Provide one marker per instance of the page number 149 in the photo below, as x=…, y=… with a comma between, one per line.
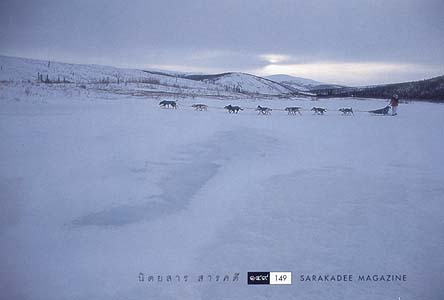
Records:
x=280, y=277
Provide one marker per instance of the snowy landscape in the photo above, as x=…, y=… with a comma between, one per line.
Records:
x=100, y=184
x=138, y=82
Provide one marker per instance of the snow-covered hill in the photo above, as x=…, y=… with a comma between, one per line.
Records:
x=32, y=70
x=244, y=82
x=297, y=83
x=24, y=69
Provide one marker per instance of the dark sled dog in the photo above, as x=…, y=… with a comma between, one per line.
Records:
x=346, y=111
x=263, y=110
x=293, y=110
x=233, y=109
x=318, y=110
x=200, y=107
x=167, y=104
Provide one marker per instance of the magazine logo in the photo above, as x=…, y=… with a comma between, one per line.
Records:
x=258, y=277
x=272, y=278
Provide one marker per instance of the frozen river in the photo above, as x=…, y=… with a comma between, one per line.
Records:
x=93, y=192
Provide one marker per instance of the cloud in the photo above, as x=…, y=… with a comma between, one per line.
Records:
x=312, y=38
x=353, y=73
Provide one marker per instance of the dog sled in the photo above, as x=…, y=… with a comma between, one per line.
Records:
x=380, y=112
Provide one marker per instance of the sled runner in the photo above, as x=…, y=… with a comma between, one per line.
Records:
x=382, y=111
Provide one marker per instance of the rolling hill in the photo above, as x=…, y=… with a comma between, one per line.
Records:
x=14, y=69
x=243, y=82
x=295, y=83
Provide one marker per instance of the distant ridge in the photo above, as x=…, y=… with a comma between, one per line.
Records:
x=428, y=89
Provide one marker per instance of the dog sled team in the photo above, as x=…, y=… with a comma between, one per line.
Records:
x=293, y=110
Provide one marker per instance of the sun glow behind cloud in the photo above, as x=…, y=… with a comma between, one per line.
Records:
x=274, y=58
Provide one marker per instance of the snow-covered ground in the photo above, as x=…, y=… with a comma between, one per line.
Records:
x=96, y=188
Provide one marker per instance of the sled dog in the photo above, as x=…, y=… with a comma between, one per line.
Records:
x=166, y=103
x=232, y=109
x=263, y=110
x=346, y=111
x=318, y=110
x=293, y=110
x=200, y=107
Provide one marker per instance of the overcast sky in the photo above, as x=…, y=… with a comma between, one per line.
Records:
x=353, y=42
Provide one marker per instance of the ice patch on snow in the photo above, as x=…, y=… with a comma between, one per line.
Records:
x=178, y=189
